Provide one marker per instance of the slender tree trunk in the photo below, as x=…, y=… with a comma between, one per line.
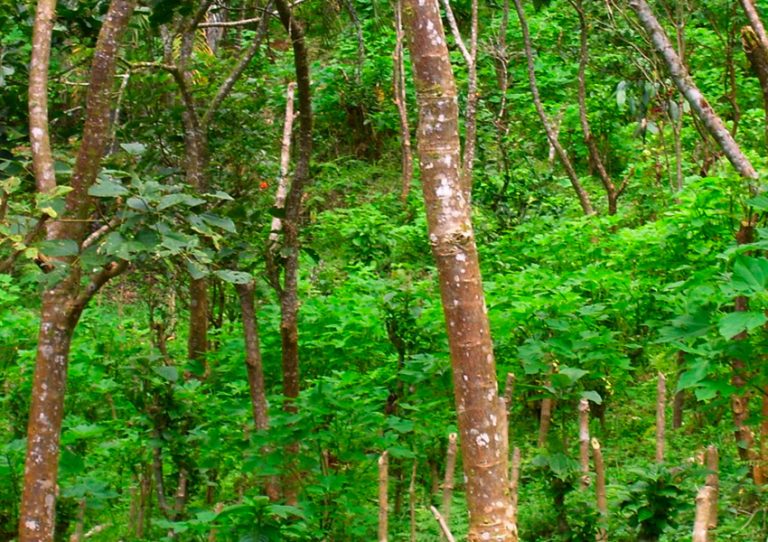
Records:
x=712, y=461
x=703, y=509
x=545, y=419
x=581, y=193
x=484, y=453
x=289, y=300
x=253, y=362
x=661, y=403
x=398, y=91
x=63, y=303
x=283, y=182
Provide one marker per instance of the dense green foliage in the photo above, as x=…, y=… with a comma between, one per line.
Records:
x=580, y=306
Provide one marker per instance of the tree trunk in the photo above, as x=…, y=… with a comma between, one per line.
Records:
x=754, y=21
x=63, y=303
x=584, y=441
x=448, y=484
x=484, y=452
x=289, y=301
x=253, y=362
x=545, y=419
x=600, y=496
x=398, y=90
x=758, y=59
x=383, y=499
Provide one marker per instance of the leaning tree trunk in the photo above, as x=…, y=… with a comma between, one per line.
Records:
x=63, y=303
x=479, y=408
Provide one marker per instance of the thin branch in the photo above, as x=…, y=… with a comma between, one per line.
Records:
x=443, y=526
x=98, y=280
x=221, y=24
x=99, y=233
x=237, y=72
x=456, y=34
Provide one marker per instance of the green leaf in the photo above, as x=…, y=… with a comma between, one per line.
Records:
x=107, y=189
x=137, y=204
x=60, y=248
x=168, y=372
x=592, y=396
x=136, y=149
x=693, y=376
x=221, y=222
x=174, y=199
x=195, y=270
x=734, y=323
x=233, y=277
x=750, y=275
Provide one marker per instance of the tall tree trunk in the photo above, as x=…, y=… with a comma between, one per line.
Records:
x=758, y=59
x=253, y=362
x=289, y=300
x=484, y=451
x=63, y=303
x=754, y=21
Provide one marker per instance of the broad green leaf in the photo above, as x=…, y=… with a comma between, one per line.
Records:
x=592, y=396
x=107, y=189
x=221, y=222
x=59, y=248
x=136, y=149
x=693, y=375
x=170, y=200
x=168, y=372
x=233, y=277
x=734, y=323
x=750, y=275
x=195, y=270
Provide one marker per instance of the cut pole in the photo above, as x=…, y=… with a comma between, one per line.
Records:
x=383, y=499
x=514, y=483
x=602, y=501
x=584, y=441
x=703, y=509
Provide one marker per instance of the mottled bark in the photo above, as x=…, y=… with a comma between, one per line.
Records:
x=399, y=97
x=39, y=136
x=63, y=303
x=581, y=193
x=484, y=451
x=284, y=180
x=688, y=88
x=584, y=441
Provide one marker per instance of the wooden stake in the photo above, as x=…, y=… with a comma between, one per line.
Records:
x=703, y=508
x=661, y=399
x=514, y=482
x=383, y=502
x=412, y=501
x=713, y=481
x=509, y=390
x=602, y=501
x=584, y=441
